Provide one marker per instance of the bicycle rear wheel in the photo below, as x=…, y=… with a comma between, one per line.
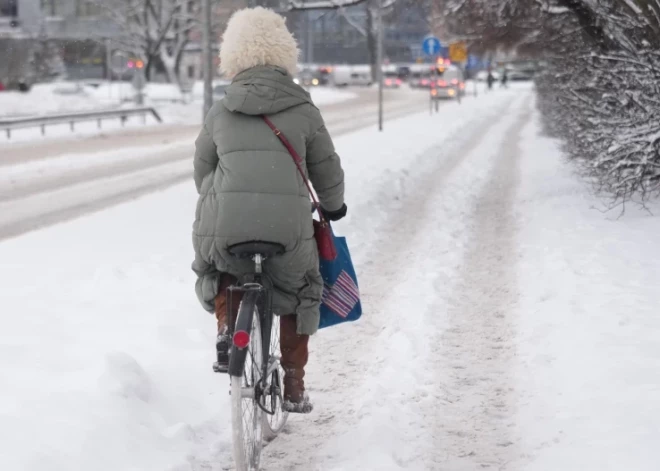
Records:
x=273, y=424
x=247, y=422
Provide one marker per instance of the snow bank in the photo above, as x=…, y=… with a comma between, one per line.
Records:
x=589, y=345
x=63, y=97
x=329, y=96
x=66, y=97
x=60, y=97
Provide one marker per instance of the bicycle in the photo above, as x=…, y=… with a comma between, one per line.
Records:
x=256, y=374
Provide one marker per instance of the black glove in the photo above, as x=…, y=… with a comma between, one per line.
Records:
x=335, y=215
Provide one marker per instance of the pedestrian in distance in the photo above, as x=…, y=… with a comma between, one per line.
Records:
x=505, y=79
x=490, y=79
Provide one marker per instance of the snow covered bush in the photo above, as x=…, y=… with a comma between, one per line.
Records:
x=607, y=110
x=600, y=91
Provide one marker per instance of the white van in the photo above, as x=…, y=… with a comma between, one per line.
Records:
x=355, y=75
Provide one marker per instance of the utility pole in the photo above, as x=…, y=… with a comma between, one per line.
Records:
x=379, y=63
x=310, y=38
x=108, y=65
x=207, y=56
x=108, y=61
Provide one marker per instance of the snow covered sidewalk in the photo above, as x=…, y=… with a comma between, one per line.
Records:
x=507, y=325
x=105, y=351
x=588, y=375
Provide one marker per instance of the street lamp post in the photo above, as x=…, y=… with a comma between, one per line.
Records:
x=379, y=64
x=207, y=57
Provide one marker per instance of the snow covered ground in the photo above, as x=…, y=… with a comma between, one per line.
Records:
x=63, y=97
x=46, y=181
x=67, y=97
x=588, y=381
x=507, y=324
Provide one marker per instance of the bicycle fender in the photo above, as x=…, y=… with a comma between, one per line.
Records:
x=243, y=322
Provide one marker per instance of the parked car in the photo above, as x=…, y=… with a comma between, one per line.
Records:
x=307, y=78
x=404, y=72
x=450, y=85
x=520, y=73
x=421, y=81
x=392, y=80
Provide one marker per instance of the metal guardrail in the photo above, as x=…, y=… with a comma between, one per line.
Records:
x=8, y=125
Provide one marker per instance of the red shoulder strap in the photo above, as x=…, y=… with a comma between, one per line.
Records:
x=297, y=160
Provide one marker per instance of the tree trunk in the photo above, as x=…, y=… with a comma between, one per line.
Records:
x=148, y=67
x=177, y=63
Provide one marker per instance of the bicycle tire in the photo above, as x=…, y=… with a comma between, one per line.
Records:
x=246, y=416
x=274, y=424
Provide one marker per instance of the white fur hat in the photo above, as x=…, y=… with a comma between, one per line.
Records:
x=257, y=36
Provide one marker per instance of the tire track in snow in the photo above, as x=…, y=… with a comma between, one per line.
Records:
x=476, y=417
x=348, y=406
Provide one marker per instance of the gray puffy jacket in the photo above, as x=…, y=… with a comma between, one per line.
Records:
x=249, y=189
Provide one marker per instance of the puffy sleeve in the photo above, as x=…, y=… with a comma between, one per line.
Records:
x=324, y=167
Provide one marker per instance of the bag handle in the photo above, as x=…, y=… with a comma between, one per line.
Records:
x=298, y=161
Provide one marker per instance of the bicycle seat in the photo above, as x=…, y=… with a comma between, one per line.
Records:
x=250, y=249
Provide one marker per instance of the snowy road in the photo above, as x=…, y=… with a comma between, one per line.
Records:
x=507, y=325
x=45, y=183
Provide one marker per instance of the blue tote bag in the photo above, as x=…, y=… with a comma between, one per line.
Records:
x=341, y=295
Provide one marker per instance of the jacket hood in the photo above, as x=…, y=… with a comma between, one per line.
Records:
x=264, y=90
x=257, y=36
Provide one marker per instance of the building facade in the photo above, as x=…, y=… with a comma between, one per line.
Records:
x=340, y=37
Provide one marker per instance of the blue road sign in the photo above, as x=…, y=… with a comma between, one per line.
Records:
x=474, y=62
x=444, y=52
x=431, y=46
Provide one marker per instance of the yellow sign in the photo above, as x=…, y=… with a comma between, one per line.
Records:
x=458, y=52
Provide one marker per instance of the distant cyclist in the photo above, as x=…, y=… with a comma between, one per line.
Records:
x=249, y=188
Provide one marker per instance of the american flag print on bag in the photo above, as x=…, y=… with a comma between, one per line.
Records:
x=341, y=297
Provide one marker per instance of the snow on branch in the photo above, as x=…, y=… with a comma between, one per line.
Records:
x=351, y=21
x=552, y=8
x=301, y=5
x=295, y=5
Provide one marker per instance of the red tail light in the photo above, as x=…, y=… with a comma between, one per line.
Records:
x=454, y=82
x=442, y=83
x=425, y=82
x=241, y=339
x=399, y=81
x=388, y=82
x=462, y=85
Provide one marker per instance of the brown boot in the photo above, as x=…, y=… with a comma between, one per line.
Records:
x=222, y=301
x=223, y=341
x=294, y=358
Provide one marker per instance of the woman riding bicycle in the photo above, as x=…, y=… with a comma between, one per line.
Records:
x=250, y=190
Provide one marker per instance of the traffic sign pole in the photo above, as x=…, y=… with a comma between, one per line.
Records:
x=431, y=46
